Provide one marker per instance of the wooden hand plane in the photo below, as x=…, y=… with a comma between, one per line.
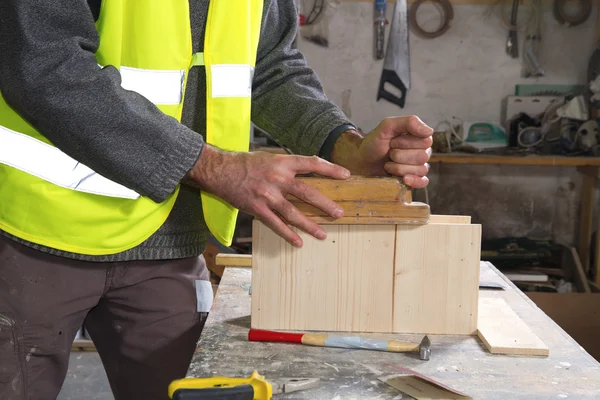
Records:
x=365, y=200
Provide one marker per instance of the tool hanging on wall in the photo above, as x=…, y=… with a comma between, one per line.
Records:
x=396, y=65
x=447, y=12
x=314, y=21
x=380, y=21
x=563, y=11
x=512, y=43
x=531, y=47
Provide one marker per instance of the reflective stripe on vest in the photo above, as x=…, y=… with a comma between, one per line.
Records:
x=68, y=206
x=160, y=87
x=52, y=165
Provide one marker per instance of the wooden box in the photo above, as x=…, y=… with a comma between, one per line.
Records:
x=417, y=273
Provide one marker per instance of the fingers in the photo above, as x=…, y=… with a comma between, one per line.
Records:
x=411, y=142
x=278, y=226
x=317, y=165
x=405, y=170
x=417, y=182
x=410, y=157
x=390, y=128
x=293, y=216
x=411, y=165
x=312, y=196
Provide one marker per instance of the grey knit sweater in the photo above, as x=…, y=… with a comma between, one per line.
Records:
x=48, y=73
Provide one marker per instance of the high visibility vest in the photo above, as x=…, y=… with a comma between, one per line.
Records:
x=49, y=198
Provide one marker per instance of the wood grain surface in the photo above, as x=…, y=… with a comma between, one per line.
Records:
x=343, y=283
x=503, y=332
x=436, y=284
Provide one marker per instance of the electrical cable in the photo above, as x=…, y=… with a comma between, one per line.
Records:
x=446, y=10
x=506, y=20
x=549, y=118
x=315, y=12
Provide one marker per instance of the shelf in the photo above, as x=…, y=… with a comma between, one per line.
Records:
x=466, y=158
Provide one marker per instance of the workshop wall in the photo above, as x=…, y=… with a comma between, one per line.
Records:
x=464, y=73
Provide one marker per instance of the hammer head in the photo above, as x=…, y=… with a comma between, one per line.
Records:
x=425, y=349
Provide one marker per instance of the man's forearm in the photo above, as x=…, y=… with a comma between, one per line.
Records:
x=50, y=76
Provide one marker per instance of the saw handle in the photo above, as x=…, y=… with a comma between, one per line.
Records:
x=391, y=77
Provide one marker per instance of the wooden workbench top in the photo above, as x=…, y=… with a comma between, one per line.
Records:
x=459, y=361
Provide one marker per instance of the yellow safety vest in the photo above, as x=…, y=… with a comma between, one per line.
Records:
x=49, y=198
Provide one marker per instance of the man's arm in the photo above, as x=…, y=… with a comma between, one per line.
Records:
x=288, y=99
x=50, y=76
x=289, y=103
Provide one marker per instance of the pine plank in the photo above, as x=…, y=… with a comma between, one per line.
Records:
x=234, y=260
x=449, y=219
x=436, y=282
x=344, y=283
x=503, y=332
x=370, y=212
x=360, y=188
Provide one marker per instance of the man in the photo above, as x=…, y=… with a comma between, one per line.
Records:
x=118, y=244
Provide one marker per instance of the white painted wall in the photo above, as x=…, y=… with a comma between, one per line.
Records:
x=464, y=73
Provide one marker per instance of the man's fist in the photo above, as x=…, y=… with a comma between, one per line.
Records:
x=399, y=146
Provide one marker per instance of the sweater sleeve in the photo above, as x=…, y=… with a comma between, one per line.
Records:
x=50, y=76
x=288, y=99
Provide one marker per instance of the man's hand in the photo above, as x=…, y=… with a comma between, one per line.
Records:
x=399, y=146
x=258, y=182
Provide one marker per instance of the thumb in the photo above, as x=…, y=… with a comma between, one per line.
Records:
x=390, y=128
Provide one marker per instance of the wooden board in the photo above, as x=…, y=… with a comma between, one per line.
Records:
x=371, y=212
x=341, y=284
x=436, y=278
x=360, y=188
x=234, y=260
x=80, y=345
x=365, y=200
x=503, y=332
x=449, y=219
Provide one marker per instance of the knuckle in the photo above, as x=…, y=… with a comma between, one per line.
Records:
x=302, y=191
x=288, y=211
x=264, y=192
x=387, y=122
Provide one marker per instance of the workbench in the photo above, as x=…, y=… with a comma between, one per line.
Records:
x=458, y=361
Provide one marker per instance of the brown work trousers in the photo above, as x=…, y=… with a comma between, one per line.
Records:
x=142, y=316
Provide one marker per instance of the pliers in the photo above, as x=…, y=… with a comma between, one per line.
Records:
x=255, y=387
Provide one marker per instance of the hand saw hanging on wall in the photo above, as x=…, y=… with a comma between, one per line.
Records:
x=396, y=65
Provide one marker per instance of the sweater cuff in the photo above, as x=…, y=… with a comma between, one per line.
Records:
x=327, y=147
